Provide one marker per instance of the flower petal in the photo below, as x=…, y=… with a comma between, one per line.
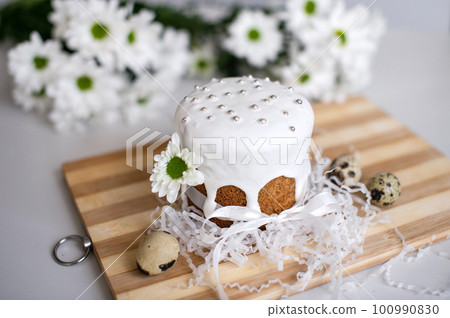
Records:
x=173, y=193
x=172, y=150
x=176, y=139
x=193, y=177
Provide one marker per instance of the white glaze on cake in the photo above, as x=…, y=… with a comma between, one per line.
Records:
x=240, y=109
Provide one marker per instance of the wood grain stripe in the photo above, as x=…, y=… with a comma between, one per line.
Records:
x=351, y=134
x=350, y=119
x=93, y=161
x=104, y=168
x=413, y=211
x=360, y=145
x=430, y=169
x=119, y=210
x=121, y=194
x=115, y=246
x=333, y=112
x=396, y=149
x=109, y=182
x=118, y=227
x=418, y=190
x=395, y=164
x=95, y=172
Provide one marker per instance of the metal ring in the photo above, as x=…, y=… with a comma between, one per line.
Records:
x=87, y=244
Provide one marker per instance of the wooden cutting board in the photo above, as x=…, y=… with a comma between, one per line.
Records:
x=114, y=202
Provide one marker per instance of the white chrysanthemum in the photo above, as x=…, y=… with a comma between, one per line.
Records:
x=32, y=101
x=141, y=43
x=173, y=168
x=95, y=30
x=255, y=37
x=174, y=54
x=316, y=81
x=143, y=99
x=300, y=13
x=66, y=119
x=203, y=61
x=352, y=77
x=85, y=90
x=62, y=14
x=34, y=64
x=355, y=32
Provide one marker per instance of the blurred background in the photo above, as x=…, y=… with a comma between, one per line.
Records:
x=415, y=15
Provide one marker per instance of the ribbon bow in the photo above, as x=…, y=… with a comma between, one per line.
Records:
x=319, y=205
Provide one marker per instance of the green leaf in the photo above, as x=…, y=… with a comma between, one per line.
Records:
x=19, y=18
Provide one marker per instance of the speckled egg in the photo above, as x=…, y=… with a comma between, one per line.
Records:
x=157, y=253
x=347, y=169
x=384, y=188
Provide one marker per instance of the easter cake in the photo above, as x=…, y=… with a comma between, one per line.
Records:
x=253, y=135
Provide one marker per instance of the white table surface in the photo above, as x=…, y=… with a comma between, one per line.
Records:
x=411, y=82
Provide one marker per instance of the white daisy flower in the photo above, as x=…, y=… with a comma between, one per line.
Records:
x=62, y=14
x=300, y=13
x=174, y=54
x=173, y=168
x=352, y=77
x=143, y=99
x=95, y=30
x=34, y=64
x=141, y=42
x=65, y=120
x=354, y=31
x=85, y=90
x=255, y=37
x=315, y=81
x=203, y=61
x=355, y=34
x=32, y=101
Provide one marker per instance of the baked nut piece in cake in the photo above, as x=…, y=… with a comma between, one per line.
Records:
x=275, y=197
x=254, y=137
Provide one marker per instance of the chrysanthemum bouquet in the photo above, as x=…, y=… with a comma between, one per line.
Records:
x=108, y=60
x=103, y=63
x=318, y=46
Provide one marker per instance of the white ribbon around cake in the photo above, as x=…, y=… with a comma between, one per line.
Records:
x=319, y=205
x=250, y=220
